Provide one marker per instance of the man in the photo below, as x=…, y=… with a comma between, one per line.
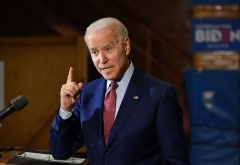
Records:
x=147, y=126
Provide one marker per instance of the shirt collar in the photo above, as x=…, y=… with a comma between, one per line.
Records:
x=125, y=79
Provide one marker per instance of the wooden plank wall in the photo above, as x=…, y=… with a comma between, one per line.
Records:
x=37, y=67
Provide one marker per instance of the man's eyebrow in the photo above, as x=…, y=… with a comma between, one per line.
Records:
x=111, y=43
x=91, y=48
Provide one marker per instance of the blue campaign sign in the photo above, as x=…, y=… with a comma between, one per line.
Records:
x=215, y=2
x=215, y=34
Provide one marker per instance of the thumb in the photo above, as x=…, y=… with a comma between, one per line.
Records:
x=80, y=85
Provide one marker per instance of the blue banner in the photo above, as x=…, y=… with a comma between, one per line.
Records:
x=215, y=34
x=215, y=2
x=213, y=98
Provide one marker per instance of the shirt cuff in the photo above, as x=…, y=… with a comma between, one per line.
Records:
x=65, y=114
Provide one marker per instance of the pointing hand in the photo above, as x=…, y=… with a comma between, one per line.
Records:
x=70, y=92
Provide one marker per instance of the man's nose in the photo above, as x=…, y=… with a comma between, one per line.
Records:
x=102, y=57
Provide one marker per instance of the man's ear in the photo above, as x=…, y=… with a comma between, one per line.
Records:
x=127, y=45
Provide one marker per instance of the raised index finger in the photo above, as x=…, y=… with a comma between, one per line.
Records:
x=70, y=75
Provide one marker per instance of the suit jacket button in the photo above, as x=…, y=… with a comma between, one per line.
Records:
x=105, y=160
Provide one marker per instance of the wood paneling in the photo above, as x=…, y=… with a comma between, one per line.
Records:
x=37, y=67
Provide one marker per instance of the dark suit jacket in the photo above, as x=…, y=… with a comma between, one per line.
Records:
x=147, y=130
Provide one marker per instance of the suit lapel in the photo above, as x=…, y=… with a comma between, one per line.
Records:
x=131, y=97
x=98, y=100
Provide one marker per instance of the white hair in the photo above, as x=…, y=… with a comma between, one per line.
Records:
x=106, y=22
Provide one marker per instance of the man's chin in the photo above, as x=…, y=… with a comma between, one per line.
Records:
x=108, y=77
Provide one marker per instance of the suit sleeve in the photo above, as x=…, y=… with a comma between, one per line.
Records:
x=170, y=129
x=65, y=136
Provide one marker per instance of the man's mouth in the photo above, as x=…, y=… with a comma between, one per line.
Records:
x=106, y=69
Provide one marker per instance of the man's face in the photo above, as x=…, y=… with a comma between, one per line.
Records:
x=109, y=55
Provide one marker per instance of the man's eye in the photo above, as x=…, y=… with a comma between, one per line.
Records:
x=108, y=49
x=94, y=52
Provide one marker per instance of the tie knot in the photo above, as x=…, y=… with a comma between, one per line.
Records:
x=114, y=85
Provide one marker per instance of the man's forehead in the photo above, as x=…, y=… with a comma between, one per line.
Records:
x=101, y=41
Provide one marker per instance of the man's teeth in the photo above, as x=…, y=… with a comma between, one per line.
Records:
x=107, y=68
